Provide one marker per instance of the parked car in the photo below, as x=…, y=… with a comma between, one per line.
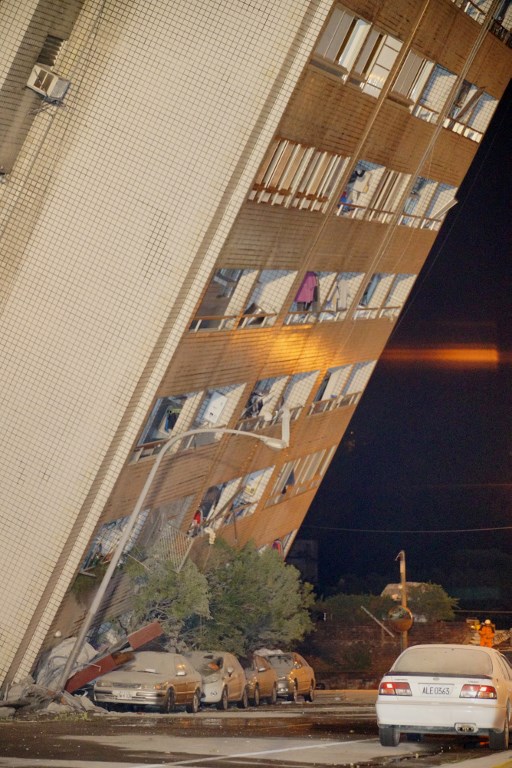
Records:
x=294, y=675
x=223, y=679
x=151, y=679
x=460, y=690
x=261, y=680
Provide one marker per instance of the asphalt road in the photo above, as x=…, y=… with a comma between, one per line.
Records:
x=336, y=730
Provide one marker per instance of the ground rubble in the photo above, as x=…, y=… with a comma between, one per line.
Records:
x=27, y=698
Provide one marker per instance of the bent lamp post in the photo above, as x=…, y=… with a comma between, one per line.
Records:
x=275, y=443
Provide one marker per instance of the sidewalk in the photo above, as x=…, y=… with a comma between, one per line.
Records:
x=363, y=697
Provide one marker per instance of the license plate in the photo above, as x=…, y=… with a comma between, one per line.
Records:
x=436, y=690
x=122, y=694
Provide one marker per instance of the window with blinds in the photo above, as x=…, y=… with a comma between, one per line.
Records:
x=361, y=53
x=297, y=176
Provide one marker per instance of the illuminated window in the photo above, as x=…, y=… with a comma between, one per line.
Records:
x=471, y=112
x=342, y=386
x=427, y=204
x=294, y=175
x=362, y=54
x=372, y=192
x=242, y=298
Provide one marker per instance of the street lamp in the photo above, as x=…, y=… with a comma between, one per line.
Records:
x=276, y=444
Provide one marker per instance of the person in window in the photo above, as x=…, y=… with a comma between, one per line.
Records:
x=487, y=632
x=171, y=417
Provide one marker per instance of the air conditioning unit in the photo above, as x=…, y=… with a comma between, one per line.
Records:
x=214, y=407
x=48, y=84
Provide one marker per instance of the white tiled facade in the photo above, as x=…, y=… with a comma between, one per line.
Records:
x=110, y=222
x=161, y=230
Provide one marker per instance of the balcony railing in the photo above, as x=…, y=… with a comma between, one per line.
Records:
x=230, y=322
x=256, y=423
x=353, y=211
x=342, y=401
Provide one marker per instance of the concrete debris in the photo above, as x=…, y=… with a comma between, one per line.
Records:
x=51, y=666
x=27, y=698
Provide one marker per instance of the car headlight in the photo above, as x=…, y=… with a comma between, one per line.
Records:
x=103, y=684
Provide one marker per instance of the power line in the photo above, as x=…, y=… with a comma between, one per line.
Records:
x=404, y=530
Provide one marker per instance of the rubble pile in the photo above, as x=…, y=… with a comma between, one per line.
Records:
x=27, y=698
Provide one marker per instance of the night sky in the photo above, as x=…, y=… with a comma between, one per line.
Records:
x=430, y=445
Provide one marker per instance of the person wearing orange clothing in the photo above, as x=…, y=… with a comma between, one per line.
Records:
x=487, y=633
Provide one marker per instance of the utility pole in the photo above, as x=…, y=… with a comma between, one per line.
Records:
x=403, y=591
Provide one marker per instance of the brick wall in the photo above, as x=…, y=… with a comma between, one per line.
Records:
x=358, y=656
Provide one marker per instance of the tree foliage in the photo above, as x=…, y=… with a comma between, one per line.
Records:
x=431, y=602
x=244, y=599
x=255, y=600
x=428, y=602
x=179, y=601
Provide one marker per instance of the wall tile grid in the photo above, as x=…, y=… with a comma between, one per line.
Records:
x=14, y=18
x=122, y=196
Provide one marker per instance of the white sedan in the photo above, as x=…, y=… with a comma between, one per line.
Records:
x=446, y=689
x=222, y=676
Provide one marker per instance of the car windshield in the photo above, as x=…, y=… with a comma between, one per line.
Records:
x=444, y=661
x=206, y=663
x=147, y=662
x=282, y=662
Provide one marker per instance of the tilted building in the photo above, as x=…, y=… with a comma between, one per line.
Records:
x=212, y=214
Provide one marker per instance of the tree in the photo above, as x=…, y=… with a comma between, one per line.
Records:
x=245, y=599
x=179, y=601
x=431, y=602
x=428, y=602
x=256, y=600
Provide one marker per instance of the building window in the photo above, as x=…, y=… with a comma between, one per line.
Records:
x=323, y=297
x=282, y=545
x=262, y=406
x=412, y=78
x=342, y=386
x=246, y=500
x=297, y=176
x=375, y=290
x=427, y=204
x=471, y=112
x=242, y=298
x=272, y=396
x=225, y=503
x=341, y=296
x=477, y=9
x=170, y=415
x=361, y=53
x=329, y=394
x=397, y=296
x=372, y=192
x=215, y=411
x=106, y=540
x=300, y=475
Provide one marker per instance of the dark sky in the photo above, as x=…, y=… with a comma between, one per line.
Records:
x=430, y=445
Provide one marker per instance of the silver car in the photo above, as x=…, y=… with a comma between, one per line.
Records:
x=151, y=679
x=223, y=678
